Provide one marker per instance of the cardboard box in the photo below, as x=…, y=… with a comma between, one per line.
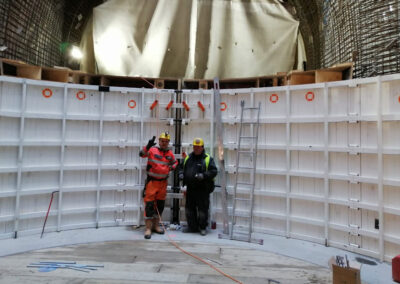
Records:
x=396, y=268
x=344, y=275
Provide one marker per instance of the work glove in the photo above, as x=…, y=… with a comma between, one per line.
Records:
x=151, y=143
x=181, y=176
x=199, y=176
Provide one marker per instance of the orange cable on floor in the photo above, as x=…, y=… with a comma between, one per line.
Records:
x=195, y=256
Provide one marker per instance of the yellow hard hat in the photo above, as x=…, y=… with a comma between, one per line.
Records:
x=198, y=142
x=165, y=135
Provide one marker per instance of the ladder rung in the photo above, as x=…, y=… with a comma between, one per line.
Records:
x=250, y=108
x=248, y=168
x=249, y=122
x=241, y=229
x=246, y=239
x=248, y=152
x=248, y=137
x=242, y=214
x=242, y=199
x=244, y=183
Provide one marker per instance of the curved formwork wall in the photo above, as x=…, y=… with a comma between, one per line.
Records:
x=327, y=164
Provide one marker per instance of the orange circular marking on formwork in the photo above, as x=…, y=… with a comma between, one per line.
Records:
x=310, y=96
x=224, y=106
x=132, y=104
x=47, y=93
x=273, y=98
x=81, y=95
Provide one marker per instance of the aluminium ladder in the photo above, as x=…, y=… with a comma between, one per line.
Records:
x=243, y=232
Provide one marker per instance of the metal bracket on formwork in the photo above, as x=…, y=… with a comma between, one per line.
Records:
x=178, y=156
x=185, y=121
x=354, y=245
x=231, y=169
x=354, y=149
x=354, y=230
x=354, y=117
x=119, y=207
x=174, y=195
x=231, y=145
x=122, y=143
x=121, y=166
x=353, y=177
x=120, y=186
x=354, y=204
x=232, y=121
x=353, y=84
x=123, y=118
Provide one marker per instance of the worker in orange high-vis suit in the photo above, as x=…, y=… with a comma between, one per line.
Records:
x=160, y=162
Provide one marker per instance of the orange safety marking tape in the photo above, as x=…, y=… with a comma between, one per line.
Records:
x=153, y=105
x=132, y=104
x=47, y=93
x=185, y=106
x=169, y=105
x=201, y=106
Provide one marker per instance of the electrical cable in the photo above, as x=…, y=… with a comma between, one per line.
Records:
x=193, y=255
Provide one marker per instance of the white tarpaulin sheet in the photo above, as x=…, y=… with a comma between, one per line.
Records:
x=192, y=38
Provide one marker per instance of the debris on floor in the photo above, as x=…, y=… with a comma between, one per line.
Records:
x=47, y=266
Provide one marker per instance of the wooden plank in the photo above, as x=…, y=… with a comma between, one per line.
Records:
x=301, y=77
x=327, y=76
x=159, y=84
x=203, y=84
x=17, y=68
x=346, y=69
x=29, y=71
x=282, y=78
x=55, y=74
x=77, y=77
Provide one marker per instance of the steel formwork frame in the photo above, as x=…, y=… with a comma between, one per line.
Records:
x=365, y=32
x=321, y=176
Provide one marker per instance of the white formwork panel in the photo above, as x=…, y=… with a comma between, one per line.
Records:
x=327, y=167
x=154, y=121
x=61, y=137
x=196, y=122
x=327, y=162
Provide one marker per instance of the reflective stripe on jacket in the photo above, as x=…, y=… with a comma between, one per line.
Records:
x=159, y=162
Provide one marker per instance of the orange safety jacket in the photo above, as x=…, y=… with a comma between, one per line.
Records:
x=159, y=162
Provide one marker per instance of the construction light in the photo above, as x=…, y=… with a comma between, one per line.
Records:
x=76, y=53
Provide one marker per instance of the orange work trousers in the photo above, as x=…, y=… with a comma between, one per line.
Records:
x=155, y=190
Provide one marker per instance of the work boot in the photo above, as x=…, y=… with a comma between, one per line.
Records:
x=189, y=230
x=149, y=225
x=156, y=226
x=203, y=232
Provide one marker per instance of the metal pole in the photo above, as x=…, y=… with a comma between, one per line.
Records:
x=177, y=146
x=220, y=152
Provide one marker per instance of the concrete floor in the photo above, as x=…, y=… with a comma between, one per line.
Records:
x=128, y=258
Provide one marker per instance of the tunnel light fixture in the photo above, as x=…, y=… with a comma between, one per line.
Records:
x=76, y=53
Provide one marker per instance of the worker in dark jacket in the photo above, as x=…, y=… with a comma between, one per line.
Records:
x=198, y=172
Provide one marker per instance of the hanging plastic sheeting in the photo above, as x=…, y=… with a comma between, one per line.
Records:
x=192, y=39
